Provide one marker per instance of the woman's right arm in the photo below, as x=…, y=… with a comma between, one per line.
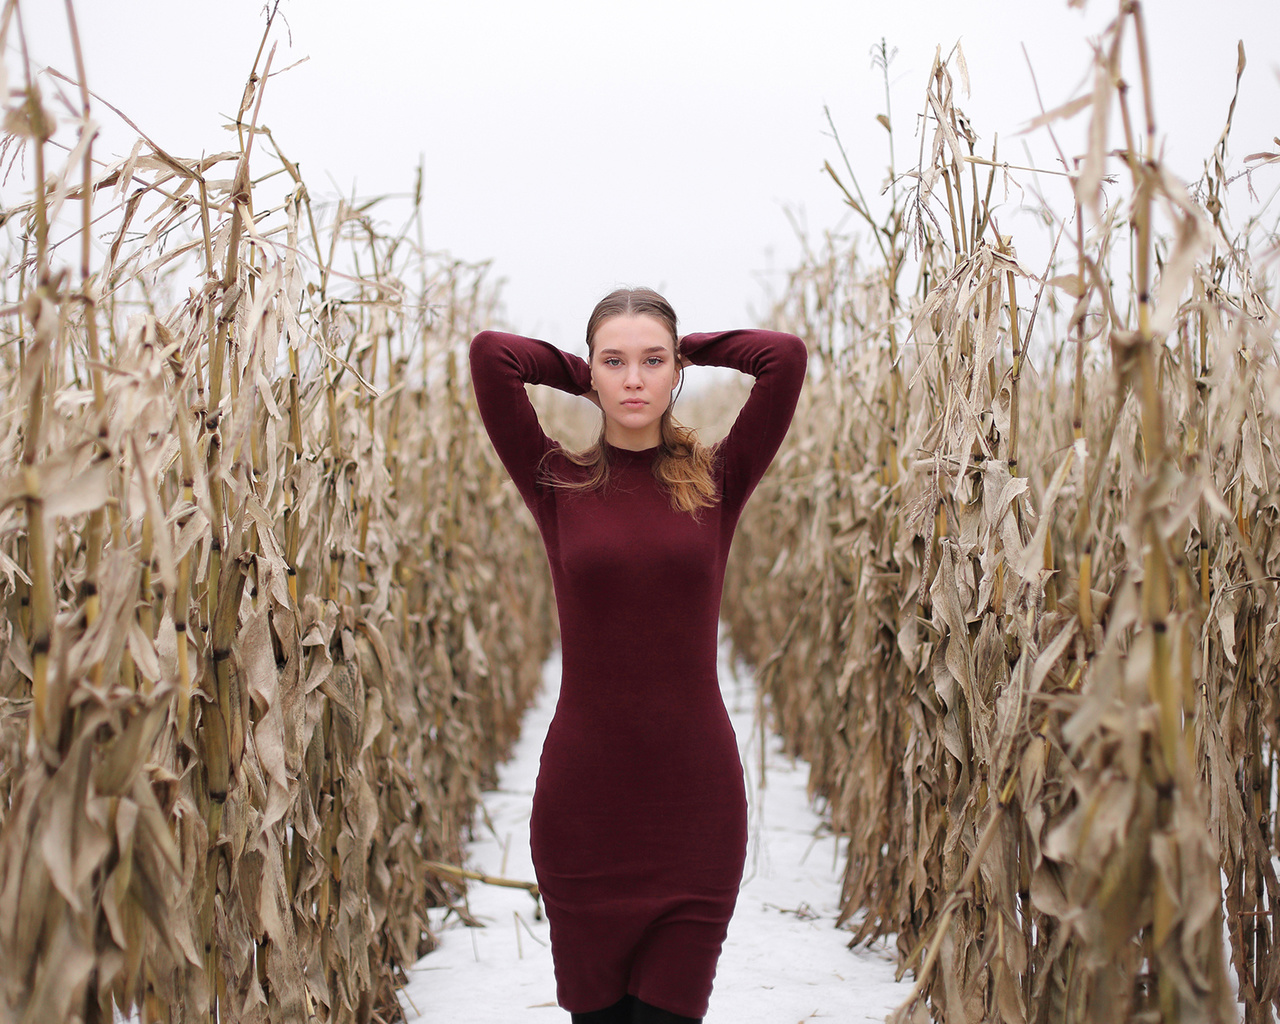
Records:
x=501, y=365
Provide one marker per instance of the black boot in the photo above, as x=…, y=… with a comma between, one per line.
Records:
x=618, y=1013
x=646, y=1014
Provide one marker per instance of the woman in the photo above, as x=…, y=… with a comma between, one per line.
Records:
x=638, y=830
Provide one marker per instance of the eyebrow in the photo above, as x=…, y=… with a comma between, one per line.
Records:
x=652, y=348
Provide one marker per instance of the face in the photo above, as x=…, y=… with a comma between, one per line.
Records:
x=634, y=371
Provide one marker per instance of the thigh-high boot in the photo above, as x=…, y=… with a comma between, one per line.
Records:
x=646, y=1014
x=618, y=1013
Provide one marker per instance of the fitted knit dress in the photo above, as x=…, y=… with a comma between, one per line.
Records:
x=639, y=824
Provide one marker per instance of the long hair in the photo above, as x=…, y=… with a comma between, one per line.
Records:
x=683, y=464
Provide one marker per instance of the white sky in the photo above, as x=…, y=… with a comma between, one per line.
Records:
x=580, y=144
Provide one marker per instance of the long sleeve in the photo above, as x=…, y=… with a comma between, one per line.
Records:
x=778, y=362
x=501, y=365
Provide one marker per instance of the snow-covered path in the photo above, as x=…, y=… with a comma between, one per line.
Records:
x=783, y=962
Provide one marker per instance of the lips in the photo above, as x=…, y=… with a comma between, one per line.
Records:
x=635, y=403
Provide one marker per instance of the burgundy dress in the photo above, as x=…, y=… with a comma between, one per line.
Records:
x=639, y=826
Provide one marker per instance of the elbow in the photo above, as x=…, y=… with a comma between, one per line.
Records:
x=483, y=341
x=483, y=346
x=795, y=353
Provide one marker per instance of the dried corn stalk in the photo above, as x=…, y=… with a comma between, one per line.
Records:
x=1011, y=587
x=257, y=653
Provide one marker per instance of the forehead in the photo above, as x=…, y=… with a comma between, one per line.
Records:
x=632, y=333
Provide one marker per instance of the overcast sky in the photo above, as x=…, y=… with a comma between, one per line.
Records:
x=580, y=145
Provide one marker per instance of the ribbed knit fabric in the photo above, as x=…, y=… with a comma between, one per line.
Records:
x=639, y=819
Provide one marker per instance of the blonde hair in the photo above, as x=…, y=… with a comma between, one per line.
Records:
x=683, y=465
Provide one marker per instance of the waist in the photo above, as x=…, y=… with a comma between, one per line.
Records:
x=593, y=731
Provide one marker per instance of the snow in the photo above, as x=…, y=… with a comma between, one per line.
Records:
x=783, y=961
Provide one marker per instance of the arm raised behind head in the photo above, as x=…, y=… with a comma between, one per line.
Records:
x=778, y=362
x=501, y=365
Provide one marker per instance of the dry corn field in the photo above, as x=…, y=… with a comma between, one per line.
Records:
x=1010, y=587
x=253, y=543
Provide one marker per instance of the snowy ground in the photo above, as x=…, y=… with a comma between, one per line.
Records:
x=783, y=961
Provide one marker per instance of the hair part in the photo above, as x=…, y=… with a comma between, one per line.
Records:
x=684, y=465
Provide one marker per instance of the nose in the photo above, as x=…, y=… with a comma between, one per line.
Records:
x=634, y=380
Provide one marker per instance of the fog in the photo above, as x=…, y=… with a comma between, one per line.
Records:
x=580, y=145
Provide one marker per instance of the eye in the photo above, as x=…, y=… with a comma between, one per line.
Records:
x=612, y=361
x=655, y=360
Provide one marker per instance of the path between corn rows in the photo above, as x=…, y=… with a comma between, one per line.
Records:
x=783, y=962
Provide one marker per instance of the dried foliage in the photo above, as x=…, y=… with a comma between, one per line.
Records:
x=258, y=653
x=1011, y=588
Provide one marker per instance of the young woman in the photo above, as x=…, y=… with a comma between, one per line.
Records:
x=639, y=826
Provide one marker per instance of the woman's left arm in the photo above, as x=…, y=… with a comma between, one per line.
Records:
x=777, y=361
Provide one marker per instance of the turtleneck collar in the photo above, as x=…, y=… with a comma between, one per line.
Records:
x=631, y=454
